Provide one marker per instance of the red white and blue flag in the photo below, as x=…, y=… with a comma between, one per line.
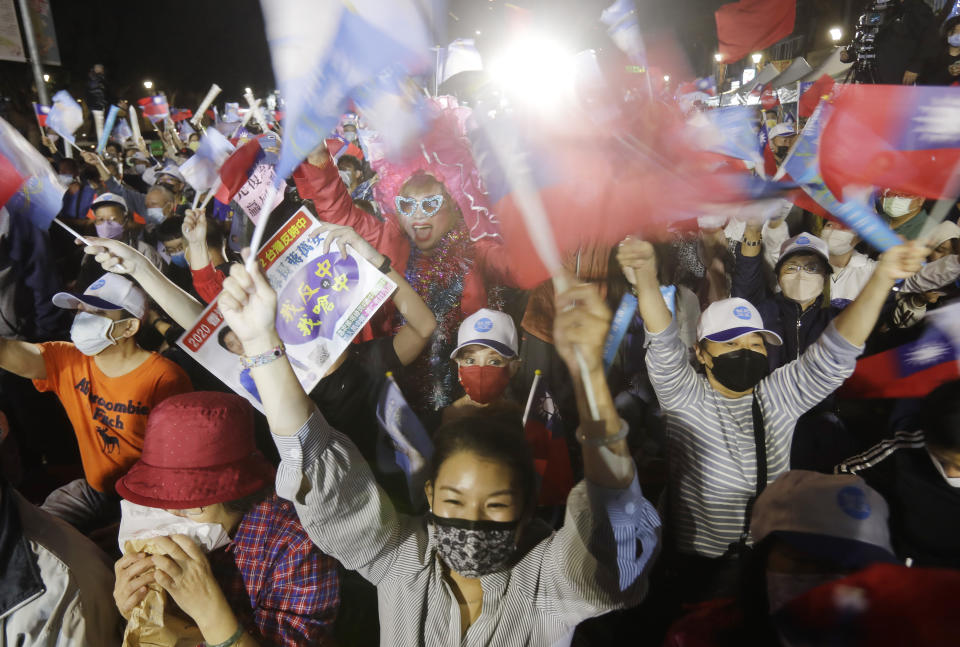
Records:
x=898, y=137
x=27, y=183
x=543, y=428
x=41, y=112
x=179, y=114
x=155, y=108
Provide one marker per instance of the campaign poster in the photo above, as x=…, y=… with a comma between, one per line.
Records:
x=323, y=301
x=11, y=45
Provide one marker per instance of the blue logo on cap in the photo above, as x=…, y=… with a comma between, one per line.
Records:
x=483, y=325
x=853, y=501
x=98, y=284
x=803, y=240
x=742, y=312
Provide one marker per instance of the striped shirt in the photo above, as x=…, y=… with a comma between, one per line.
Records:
x=598, y=561
x=711, y=454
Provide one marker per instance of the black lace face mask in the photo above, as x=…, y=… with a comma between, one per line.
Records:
x=474, y=548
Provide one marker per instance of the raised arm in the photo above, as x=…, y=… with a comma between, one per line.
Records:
x=114, y=255
x=339, y=504
x=136, y=201
x=318, y=180
x=639, y=263
x=858, y=319
x=22, y=358
x=748, y=281
x=419, y=320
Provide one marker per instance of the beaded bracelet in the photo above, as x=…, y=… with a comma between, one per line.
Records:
x=600, y=441
x=263, y=359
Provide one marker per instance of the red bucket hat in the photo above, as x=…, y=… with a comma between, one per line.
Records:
x=198, y=450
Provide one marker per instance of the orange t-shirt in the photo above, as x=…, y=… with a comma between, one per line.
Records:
x=108, y=414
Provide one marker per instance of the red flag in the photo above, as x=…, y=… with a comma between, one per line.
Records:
x=10, y=180
x=820, y=90
x=750, y=25
x=236, y=170
x=893, y=137
x=551, y=458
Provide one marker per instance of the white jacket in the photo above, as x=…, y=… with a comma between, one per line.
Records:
x=56, y=586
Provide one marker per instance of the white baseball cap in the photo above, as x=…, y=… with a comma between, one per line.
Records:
x=835, y=516
x=804, y=244
x=732, y=318
x=943, y=232
x=489, y=328
x=109, y=198
x=781, y=130
x=109, y=292
x=173, y=171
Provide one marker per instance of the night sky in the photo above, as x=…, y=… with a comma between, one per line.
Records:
x=184, y=46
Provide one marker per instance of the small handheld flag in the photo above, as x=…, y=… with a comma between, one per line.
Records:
x=543, y=428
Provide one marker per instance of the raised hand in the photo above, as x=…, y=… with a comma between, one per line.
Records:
x=134, y=572
x=249, y=306
x=319, y=156
x=638, y=259
x=581, y=322
x=343, y=236
x=902, y=261
x=115, y=256
x=195, y=227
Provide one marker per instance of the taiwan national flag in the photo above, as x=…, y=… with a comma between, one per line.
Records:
x=914, y=369
x=179, y=114
x=28, y=184
x=238, y=167
x=898, y=137
x=403, y=443
x=155, y=108
x=41, y=112
x=706, y=84
x=544, y=431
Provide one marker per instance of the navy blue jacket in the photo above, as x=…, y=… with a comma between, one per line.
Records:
x=781, y=315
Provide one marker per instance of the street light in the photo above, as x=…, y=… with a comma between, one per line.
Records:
x=666, y=78
x=757, y=58
x=46, y=78
x=718, y=57
x=247, y=91
x=148, y=85
x=836, y=34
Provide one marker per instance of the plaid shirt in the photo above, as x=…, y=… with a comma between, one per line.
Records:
x=282, y=588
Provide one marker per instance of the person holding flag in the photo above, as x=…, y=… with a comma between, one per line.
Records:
x=729, y=431
x=473, y=568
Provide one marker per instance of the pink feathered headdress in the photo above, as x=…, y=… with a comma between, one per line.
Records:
x=445, y=153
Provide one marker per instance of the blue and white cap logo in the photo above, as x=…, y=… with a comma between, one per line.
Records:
x=99, y=283
x=853, y=501
x=803, y=240
x=483, y=325
x=742, y=312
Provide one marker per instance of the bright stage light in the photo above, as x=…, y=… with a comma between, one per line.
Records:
x=535, y=70
x=666, y=78
x=757, y=58
x=836, y=34
x=148, y=84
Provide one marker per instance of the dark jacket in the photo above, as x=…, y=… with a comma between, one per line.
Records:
x=908, y=39
x=797, y=329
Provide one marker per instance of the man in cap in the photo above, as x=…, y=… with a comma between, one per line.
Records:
x=782, y=137
x=106, y=383
x=271, y=585
x=169, y=176
x=904, y=212
x=729, y=430
x=808, y=529
x=113, y=220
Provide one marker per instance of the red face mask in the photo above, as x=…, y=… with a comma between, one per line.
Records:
x=484, y=384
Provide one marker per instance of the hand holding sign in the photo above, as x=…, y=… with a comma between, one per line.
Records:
x=249, y=306
x=343, y=236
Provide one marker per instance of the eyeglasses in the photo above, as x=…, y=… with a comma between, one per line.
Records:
x=429, y=205
x=809, y=268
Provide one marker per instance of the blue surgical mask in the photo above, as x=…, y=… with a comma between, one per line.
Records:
x=179, y=259
x=155, y=215
x=953, y=40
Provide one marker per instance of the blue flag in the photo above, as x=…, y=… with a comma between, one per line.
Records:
x=804, y=167
x=65, y=115
x=412, y=447
x=732, y=131
x=40, y=195
x=324, y=50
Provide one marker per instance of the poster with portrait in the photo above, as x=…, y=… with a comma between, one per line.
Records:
x=323, y=301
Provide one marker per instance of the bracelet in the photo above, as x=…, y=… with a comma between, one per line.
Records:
x=601, y=441
x=263, y=359
x=751, y=243
x=232, y=640
x=385, y=265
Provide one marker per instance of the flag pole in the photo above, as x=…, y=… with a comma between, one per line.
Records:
x=261, y=225
x=537, y=374
x=86, y=241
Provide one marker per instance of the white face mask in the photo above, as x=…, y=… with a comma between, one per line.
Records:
x=91, y=333
x=953, y=40
x=801, y=287
x=139, y=169
x=897, y=207
x=350, y=136
x=783, y=588
x=839, y=241
x=142, y=522
x=65, y=180
x=952, y=481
